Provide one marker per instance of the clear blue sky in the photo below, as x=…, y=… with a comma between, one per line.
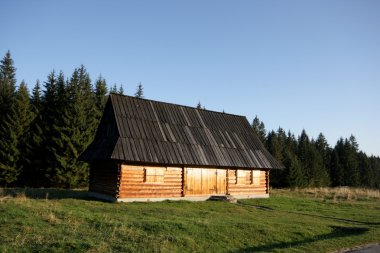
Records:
x=296, y=64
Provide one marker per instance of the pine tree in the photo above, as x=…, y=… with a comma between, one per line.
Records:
x=259, y=128
x=9, y=152
x=33, y=173
x=7, y=85
x=100, y=96
x=121, y=90
x=36, y=96
x=293, y=171
x=76, y=131
x=323, y=155
x=277, y=177
x=50, y=116
x=199, y=105
x=113, y=89
x=13, y=133
x=140, y=91
x=367, y=173
x=351, y=163
x=336, y=167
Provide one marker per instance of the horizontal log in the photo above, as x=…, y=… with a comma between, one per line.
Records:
x=150, y=186
x=142, y=172
x=123, y=182
x=246, y=191
x=237, y=186
x=148, y=195
x=129, y=174
x=150, y=190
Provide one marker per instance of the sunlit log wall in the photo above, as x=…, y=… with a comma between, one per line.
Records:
x=159, y=182
x=144, y=182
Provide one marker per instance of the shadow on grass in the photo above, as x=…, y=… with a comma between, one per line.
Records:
x=337, y=232
x=313, y=215
x=46, y=193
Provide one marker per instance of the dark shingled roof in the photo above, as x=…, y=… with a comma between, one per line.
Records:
x=145, y=131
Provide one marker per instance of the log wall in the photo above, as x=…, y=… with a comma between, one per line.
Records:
x=104, y=178
x=244, y=186
x=135, y=184
x=159, y=182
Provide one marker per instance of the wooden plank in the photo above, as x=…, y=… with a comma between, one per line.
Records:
x=185, y=116
x=158, y=122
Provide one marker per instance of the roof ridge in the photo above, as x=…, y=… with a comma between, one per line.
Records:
x=187, y=106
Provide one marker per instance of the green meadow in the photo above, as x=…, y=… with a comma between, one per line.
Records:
x=311, y=220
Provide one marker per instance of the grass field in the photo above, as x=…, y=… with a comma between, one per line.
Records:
x=308, y=220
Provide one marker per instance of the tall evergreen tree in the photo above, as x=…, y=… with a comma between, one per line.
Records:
x=277, y=177
x=312, y=162
x=367, y=174
x=13, y=133
x=76, y=132
x=100, y=96
x=293, y=171
x=36, y=96
x=140, y=91
x=8, y=120
x=259, y=128
x=7, y=85
x=336, y=167
x=121, y=90
x=32, y=162
x=351, y=163
x=113, y=89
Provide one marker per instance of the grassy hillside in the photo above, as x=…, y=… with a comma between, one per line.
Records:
x=289, y=221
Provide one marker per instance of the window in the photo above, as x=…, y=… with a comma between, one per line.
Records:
x=256, y=177
x=154, y=175
x=243, y=177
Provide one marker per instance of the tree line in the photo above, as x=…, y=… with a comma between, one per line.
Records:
x=313, y=163
x=43, y=133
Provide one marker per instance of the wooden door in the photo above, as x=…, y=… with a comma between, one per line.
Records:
x=193, y=181
x=221, y=181
x=205, y=181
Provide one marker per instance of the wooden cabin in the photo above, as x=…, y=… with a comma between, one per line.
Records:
x=148, y=150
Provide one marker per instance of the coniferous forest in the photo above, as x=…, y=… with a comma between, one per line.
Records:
x=43, y=132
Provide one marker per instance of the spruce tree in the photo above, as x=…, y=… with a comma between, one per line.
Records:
x=7, y=85
x=9, y=152
x=351, y=163
x=259, y=128
x=121, y=90
x=140, y=91
x=76, y=131
x=50, y=115
x=293, y=171
x=113, y=89
x=199, y=105
x=100, y=96
x=336, y=167
x=277, y=177
x=323, y=155
x=367, y=174
x=36, y=97
x=13, y=132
